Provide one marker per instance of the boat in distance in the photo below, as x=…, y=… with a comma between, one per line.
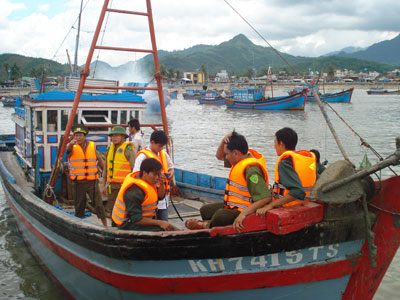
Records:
x=341, y=97
x=294, y=102
x=381, y=91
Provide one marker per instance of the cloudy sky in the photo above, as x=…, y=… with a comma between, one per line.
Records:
x=39, y=28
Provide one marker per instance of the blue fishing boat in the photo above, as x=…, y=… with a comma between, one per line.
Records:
x=172, y=94
x=382, y=91
x=10, y=102
x=293, y=102
x=190, y=94
x=341, y=97
x=212, y=97
x=301, y=252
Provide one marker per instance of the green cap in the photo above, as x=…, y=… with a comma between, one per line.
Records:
x=118, y=130
x=80, y=128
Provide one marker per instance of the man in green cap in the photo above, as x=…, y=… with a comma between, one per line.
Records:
x=120, y=161
x=83, y=160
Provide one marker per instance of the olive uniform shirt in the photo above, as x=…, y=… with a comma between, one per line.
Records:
x=289, y=178
x=133, y=198
x=130, y=154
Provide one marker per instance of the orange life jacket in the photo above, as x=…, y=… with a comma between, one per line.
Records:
x=236, y=192
x=83, y=166
x=118, y=167
x=304, y=163
x=149, y=205
x=162, y=158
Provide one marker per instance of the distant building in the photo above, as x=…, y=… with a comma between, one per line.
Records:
x=195, y=77
x=222, y=76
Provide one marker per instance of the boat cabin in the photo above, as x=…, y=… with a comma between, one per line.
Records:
x=41, y=119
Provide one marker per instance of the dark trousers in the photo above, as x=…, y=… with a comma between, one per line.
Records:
x=81, y=188
x=218, y=215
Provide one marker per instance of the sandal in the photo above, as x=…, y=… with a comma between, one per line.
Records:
x=194, y=224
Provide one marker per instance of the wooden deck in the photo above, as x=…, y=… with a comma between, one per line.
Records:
x=187, y=208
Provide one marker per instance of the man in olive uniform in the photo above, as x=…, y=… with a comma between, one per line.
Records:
x=120, y=160
x=83, y=162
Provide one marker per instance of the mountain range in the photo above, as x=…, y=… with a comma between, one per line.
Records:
x=236, y=56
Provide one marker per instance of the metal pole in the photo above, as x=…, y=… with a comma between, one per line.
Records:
x=328, y=121
x=157, y=74
x=77, y=42
x=84, y=74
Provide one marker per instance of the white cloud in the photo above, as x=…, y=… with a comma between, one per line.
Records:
x=306, y=28
x=43, y=7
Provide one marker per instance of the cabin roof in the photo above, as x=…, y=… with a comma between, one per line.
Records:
x=69, y=96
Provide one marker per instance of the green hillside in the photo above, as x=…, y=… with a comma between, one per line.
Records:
x=27, y=64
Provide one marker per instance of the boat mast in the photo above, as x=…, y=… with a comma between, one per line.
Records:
x=75, y=70
x=48, y=194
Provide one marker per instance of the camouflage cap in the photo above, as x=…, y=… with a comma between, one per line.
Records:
x=118, y=130
x=80, y=128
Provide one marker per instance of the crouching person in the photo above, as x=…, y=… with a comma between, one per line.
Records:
x=136, y=203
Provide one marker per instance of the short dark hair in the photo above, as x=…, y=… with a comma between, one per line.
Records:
x=287, y=136
x=150, y=165
x=159, y=137
x=134, y=123
x=317, y=156
x=237, y=142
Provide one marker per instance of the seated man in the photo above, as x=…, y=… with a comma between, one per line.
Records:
x=295, y=172
x=320, y=167
x=246, y=189
x=136, y=203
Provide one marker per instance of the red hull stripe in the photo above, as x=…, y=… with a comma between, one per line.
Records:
x=142, y=284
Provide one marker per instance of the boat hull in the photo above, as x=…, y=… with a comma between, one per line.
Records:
x=342, y=97
x=385, y=92
x=293, y=102
x=216, y=100
x=177, y=265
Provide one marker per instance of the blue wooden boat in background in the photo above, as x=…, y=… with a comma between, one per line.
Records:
x=212, y=97
x=342, y=97
x=293, y=102
x=190, y=94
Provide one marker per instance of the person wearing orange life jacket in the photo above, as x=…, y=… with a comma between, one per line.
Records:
x=246, y=189
x=83, y=162
x=120, y=160
x=295, y=172
x=136, y=203
x=158, y=140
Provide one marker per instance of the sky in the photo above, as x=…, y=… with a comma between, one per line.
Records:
x=48, y=28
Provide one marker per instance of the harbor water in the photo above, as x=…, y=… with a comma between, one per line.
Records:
x=196, y=132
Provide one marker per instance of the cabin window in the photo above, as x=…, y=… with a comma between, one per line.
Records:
x=134, y=114
x=114, y=117
x=52, y=121
x=39, y=120
x=123, y=117
x=95, y=118
x=64, y=119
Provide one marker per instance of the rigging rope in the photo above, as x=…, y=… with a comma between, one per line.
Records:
x=101, y=42
x=255, y=30
x=363, y=142
x=55, y=54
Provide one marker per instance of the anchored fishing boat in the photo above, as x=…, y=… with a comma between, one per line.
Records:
x=212, y=97
x=324, y=247
x=293, y=102
x=381, y=91
x=342, y=97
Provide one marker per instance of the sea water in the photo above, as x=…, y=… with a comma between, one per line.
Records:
x=196, y=132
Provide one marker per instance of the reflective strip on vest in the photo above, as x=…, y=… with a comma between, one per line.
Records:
x=244, y=198
x=239, y=186
x=236, y=205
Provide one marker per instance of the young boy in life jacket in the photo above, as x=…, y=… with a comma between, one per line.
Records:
x=295, y=172
x=136, y=204
x=246, y=189
x=83, y=160
x=158, y=140
x=120, y=160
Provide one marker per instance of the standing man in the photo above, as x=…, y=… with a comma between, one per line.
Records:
x=158, y=140
x=295, y=172
x=136, y=203
x=120, y=161
x=134, y=128
x=84, y=173
x=246, y=188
